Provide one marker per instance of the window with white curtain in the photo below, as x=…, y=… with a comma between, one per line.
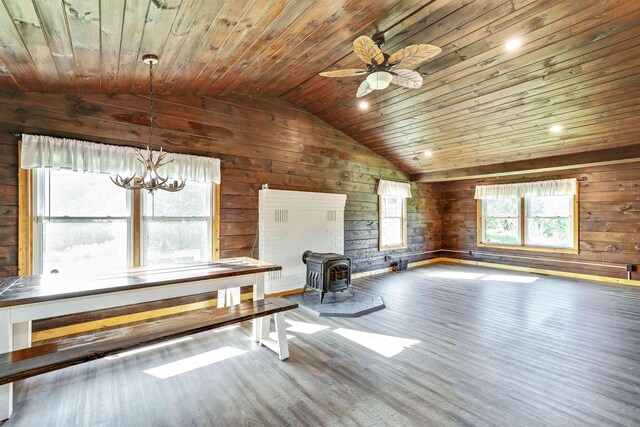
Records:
x=83, y=221
x=533, y=215
x=392, y=214
x=393, y=230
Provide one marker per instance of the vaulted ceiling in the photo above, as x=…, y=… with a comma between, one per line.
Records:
x=480, y=104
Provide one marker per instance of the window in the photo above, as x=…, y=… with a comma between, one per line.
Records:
x=176, y=227
x=83, y=222
x=501, y=221
x=392, y=222
x=540, y=222
x=549, y=221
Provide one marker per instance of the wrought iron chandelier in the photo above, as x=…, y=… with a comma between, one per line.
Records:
x=151, y=180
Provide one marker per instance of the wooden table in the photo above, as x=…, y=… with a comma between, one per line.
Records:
x=27, y=298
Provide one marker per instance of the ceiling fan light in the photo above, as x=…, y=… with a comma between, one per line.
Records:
x=379, y=80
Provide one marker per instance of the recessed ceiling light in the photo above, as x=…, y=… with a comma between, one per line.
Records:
x=513, y=44
x=363, y=105
x=556, y=128
x=428, y=153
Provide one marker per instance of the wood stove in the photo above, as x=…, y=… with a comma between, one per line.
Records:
x=327, y=272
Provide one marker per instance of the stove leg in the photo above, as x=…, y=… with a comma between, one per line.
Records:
x=321, y=296
x=303, y=291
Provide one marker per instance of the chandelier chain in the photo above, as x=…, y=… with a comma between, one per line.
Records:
x=150, y=180
x=151, y=104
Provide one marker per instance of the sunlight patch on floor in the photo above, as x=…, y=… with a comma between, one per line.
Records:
x=304, y=328
x=454, y=275
x=194, y=362
x=148, y=348
x=510, y=278
x=274, y=336
x=385, y=345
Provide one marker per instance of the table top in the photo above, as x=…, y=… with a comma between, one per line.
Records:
x=18, y=290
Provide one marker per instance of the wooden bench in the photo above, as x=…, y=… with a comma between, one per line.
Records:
x=32, y=361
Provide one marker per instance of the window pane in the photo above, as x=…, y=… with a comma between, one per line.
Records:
x=192, y=201
x=549, y=206
x=75, y=246
x=502, y=230
x=501, y=207
x=392, y=231
x=179, y=240
x=556, y=232
x=392, y=207
x=79, y=194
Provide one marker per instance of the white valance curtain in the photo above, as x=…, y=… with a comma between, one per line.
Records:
x=558, y=187
x=394, y=188
x=40, y=151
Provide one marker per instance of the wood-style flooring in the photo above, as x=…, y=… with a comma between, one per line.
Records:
x=464, y=346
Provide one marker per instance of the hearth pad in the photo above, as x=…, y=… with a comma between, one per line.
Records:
x=339, y=304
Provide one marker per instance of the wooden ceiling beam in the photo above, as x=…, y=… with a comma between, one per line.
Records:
x=626, y=154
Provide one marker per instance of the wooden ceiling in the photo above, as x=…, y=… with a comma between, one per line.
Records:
x=480, y=105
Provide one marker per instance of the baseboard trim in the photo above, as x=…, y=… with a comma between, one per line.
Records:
x=284, y=293
x=388, y=269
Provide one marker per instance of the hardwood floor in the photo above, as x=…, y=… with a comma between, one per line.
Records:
x=491, y=349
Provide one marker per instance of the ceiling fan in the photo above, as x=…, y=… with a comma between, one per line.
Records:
x=382, y=69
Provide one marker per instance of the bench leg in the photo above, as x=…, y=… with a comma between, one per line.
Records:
x=260, y=328
x=222, y=297
x=21, y=335
x=6, y=345
x=281, y=333
x=280, y=344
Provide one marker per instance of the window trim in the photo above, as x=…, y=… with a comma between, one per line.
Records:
x=38, y=199
x=209, y=219
x=522, y=218
x=27, y=242
x=404, y=244
x=517, y=218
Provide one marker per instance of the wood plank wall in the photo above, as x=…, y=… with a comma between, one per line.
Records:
x=259, y=141
x=609, y=228
x=8, y=203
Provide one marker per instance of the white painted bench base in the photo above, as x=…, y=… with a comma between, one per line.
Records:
x=15, y=321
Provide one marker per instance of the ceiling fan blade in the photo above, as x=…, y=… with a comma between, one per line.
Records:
x=415, y=55
x=368, y=50
x=343, y=73
x=407, y=78
x=363, y=89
